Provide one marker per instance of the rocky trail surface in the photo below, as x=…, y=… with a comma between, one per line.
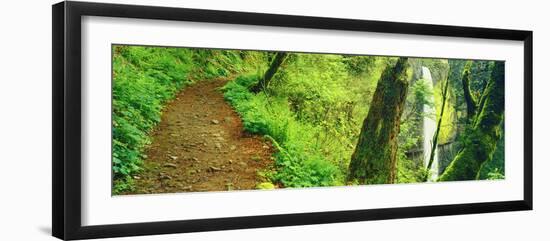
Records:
x=200, y=145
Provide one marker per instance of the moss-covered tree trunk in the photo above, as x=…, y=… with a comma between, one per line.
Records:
x=470, y=102
x=374, y=158
x=481, y=141
x=273, y=67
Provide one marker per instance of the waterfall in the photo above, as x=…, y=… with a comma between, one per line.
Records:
x=429, y=127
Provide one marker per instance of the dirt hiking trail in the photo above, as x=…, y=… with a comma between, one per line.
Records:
x=200, y=145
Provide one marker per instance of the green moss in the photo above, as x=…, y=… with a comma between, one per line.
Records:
x=374, y=158
x=448, y=129
x=481, y=140
x=494, y=169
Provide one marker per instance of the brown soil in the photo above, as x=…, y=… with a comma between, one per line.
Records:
x=200, y=145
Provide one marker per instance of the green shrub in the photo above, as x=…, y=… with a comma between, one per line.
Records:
x=298, y=161
x=144, y=79
x=313, y=111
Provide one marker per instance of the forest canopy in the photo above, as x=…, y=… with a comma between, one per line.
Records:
x=191, y=119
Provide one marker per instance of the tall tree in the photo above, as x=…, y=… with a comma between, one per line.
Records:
x=436, y=133
x=273, y=67
x=374, y=158
x=481, y=141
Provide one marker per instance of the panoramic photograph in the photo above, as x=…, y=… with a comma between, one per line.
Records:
x=205, y=120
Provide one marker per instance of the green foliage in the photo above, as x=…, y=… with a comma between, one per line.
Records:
x=298, y=161
x=494, y=169
x=439, y=69
x=409, y=171
x=123, y=184
x=481, y=140
x=359, y=65
x=144, y=79
x=410, y=135
x=312, y=110
x=480, y=74
x=422, y=93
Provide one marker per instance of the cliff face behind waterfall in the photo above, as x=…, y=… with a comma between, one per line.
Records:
x=433, y=75
x=429, y=126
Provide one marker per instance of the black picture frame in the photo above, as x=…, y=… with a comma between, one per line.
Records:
x=66, y=127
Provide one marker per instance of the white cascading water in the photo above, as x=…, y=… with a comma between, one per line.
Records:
x=429, y=129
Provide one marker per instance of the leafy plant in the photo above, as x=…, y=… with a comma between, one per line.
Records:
x=144, y=79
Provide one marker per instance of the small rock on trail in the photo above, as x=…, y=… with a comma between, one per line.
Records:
x=191, y=138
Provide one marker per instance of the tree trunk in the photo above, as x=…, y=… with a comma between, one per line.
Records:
x=275, y=64
x=436, y=133
x=482, y=139
x=374, y=158
x=470, y=102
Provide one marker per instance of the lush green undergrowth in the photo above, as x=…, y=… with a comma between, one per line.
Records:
x=144, y=79
x=313, y=113
x=312, y=110
x=299, y=161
